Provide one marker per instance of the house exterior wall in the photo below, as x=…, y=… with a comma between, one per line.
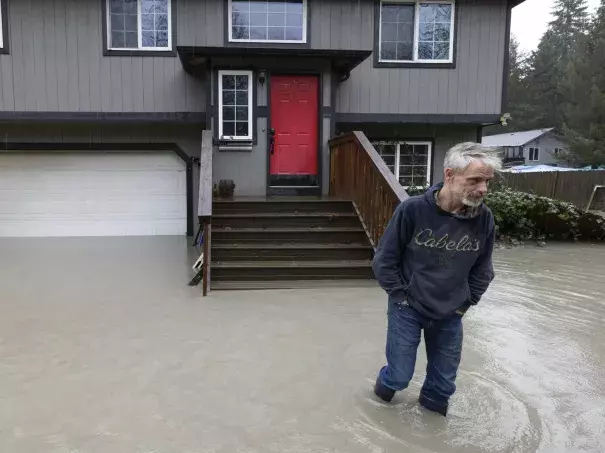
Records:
x=547, y=144
x=474, y=86
x=56, y=63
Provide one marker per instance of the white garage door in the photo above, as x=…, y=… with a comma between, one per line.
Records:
x=92, y=194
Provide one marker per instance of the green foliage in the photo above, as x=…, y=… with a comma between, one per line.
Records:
x=526, y=216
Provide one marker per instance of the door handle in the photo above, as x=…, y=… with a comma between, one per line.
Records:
x=272, y=141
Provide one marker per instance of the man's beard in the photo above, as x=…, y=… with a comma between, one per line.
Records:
x=471, y=202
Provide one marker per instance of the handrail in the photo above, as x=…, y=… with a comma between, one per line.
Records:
x=205, y=205
x=359, y=174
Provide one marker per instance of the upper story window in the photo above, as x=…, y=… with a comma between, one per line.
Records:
x=273, y=21
x=235, y=105
x=410, y=161
x=420, y=31
x=139, y=25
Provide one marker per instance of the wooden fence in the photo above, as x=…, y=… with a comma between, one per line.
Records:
x=572, y=186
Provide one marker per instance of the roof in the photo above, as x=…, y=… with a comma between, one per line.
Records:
x=343, y=61
x=515, y=138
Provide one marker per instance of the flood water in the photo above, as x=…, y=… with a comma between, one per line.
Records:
x=533, y=371
x=103, y=348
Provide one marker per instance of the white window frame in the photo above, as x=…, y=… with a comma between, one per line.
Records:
x=1, y=25
x=250, y=75
x=398, y=143
x=139, y=31
x=417, y=31
x=536, y=154
x=280, y=41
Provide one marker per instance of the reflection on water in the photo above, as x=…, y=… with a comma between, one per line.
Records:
x=532, y=377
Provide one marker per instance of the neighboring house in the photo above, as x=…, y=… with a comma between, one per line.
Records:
x=535, y=147
x=103, y=102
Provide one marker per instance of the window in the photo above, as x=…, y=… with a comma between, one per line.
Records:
x=534, y=154
x=416, y=31
x=557, y=152
x=139, y=25
x=410, y=162
x=235, y=105
x=268, y=21
x=2, y=25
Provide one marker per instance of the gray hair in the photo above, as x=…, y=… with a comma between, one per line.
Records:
x=459, y=157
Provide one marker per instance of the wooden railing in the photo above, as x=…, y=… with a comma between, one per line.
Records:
x=205, y=206
x=358, y=173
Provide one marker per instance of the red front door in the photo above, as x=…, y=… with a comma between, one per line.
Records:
x=294, y=104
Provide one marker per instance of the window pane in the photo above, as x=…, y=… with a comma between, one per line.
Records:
x=258, y=6
x=117, y=22
x=228, y=82
x=161, y=22
x=277, y=19
x=117, y=40
x=240, y=6
x=154, y=6
x=228, y=97
x=242, y=113
x=405, y=51
x=131, y=40
x=161, y=39
x=294, y=20
x=276, y=6
x=258, y=33
x=413, y=164
x=388, y=51
x=130, y=7
x=277, y=33
x=228, y=128
x=241, y=82
x=397, y=32
x=294, y=34
x=228, y=113
x=148, y=38
x=294, y=6
x=241, y=98
x=240, y=33
x=241, y=129
x=435, y=31
x=258, y=20
x=425, y=50
x=147, y=21
x=131, y=22
x=116, y=7
x=239, y=18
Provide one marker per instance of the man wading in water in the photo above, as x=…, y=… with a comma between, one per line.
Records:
x=435, y=261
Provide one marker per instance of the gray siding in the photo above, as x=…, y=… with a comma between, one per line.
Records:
x=473, y=87
x=547, y=144
x=56, y=63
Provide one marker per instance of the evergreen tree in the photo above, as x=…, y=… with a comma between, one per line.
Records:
x=585, y=92
x=546, y=81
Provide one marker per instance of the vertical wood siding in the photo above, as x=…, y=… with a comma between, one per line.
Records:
x=56, y=63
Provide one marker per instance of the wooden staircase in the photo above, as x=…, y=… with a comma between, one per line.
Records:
x=287, y=243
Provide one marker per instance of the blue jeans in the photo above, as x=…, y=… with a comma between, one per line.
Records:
x=443, y=339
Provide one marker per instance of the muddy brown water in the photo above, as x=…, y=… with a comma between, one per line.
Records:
x=103, y=348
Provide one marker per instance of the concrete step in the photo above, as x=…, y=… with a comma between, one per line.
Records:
x=291, y=284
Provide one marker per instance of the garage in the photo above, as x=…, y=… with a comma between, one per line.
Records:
x=49, y=194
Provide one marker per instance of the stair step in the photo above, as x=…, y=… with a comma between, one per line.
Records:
x=291, y=270
x=291, y=284
x=280, y=205
x=350, y=235
x=291, y=251
x=289, y=219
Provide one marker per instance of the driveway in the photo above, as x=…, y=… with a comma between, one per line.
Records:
x=103, y=348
